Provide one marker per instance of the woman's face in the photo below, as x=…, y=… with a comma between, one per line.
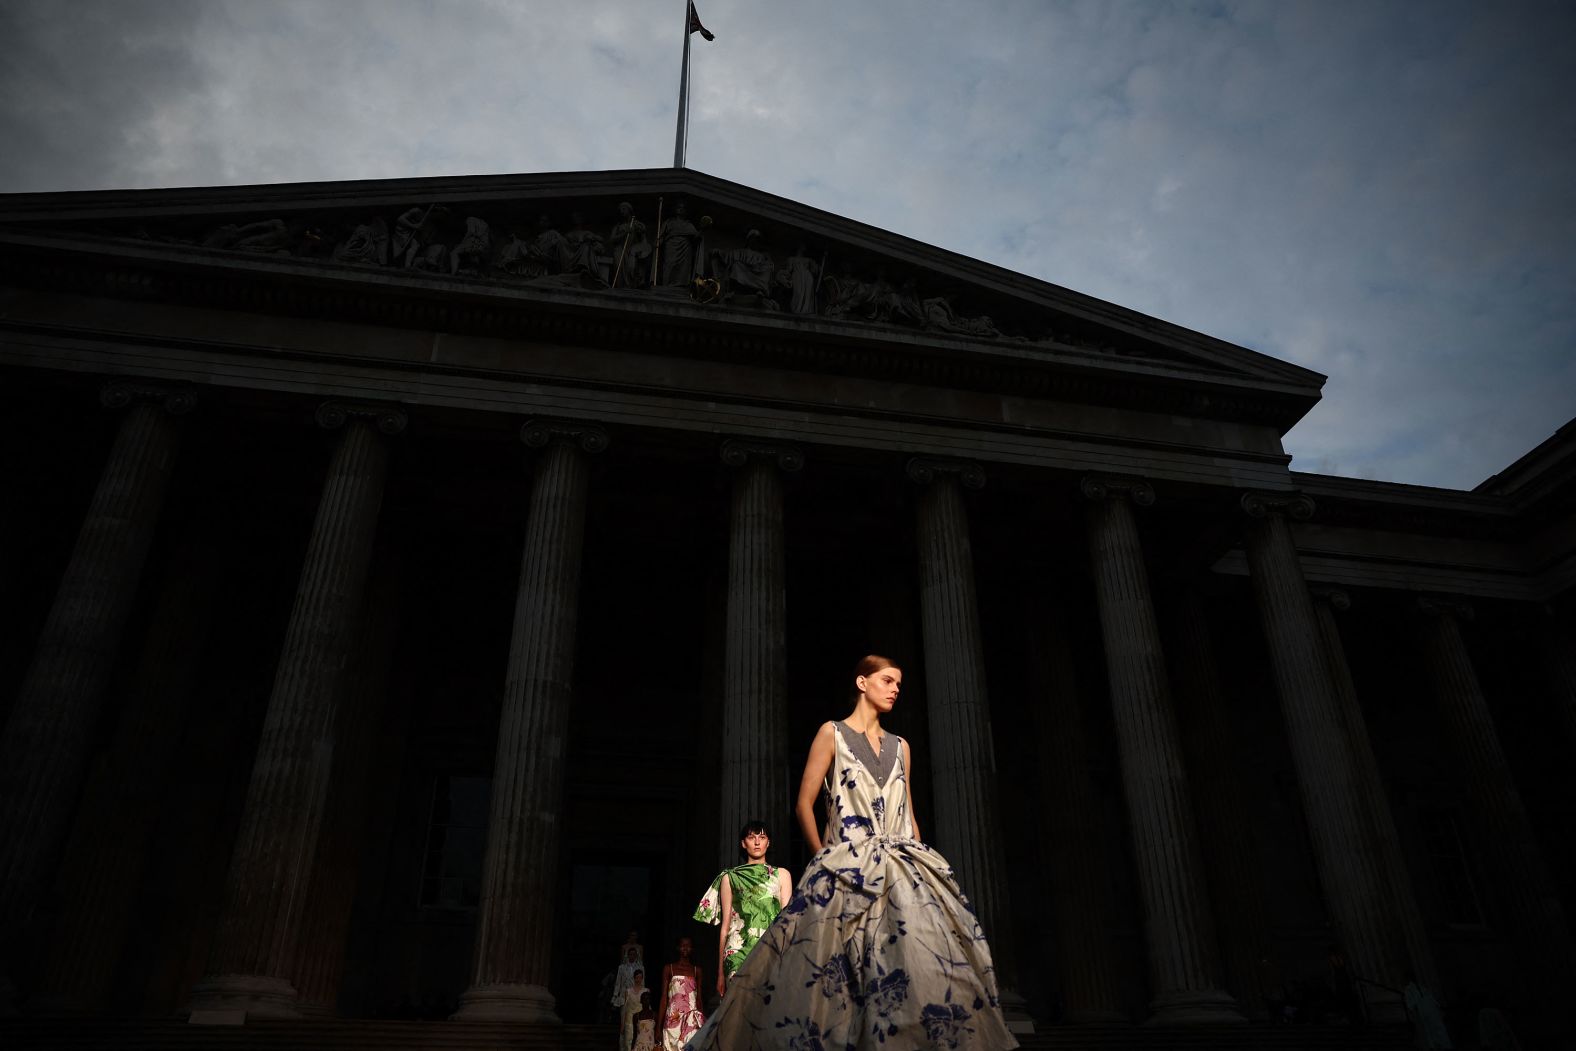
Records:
x=755, y=844
x=685, y=948
x=881, y=688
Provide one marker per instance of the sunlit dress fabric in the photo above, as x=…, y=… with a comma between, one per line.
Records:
x=878, y=948
x=753, y=895
x=684, y=1015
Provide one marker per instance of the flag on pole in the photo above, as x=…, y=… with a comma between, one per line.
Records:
x=692, y=26
x=696, y=27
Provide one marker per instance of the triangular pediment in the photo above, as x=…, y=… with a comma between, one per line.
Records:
x=680, y=243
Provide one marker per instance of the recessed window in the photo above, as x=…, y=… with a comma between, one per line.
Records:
x=456, y=839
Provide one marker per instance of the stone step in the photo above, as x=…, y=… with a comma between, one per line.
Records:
x=44, y=1034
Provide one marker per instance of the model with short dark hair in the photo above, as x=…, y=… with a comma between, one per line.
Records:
x=743, y=901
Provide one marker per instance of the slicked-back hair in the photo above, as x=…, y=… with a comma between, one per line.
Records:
x=871, y=664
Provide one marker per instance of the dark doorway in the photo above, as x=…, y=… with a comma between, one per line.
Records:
x=608, y=898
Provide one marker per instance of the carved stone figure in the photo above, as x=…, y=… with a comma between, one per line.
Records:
x=545, y=255
x=415, y=232
x=680, y=243
x=367, y=245
x=511, y=254
x=850, y=296
x=265, y=235
x=801, y=276
x=470, y=255
x=631, y=250
x=746, y=271
x=941, y=317
x=584, y=252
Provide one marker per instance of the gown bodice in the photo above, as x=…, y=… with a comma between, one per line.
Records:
x=866, y=791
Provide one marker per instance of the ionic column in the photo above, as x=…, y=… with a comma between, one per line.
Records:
x=1236, y=880
x=1386, y=841
x=963, y=757
x=1327, y=776
x=47, y=737
x=1558, y=643
x=320, y=951
x=254, y=947
x=1184, y=972
x=519, y=902
x=1070, y=813
x=1524, y=885
x=101, y=875
x=754, y=742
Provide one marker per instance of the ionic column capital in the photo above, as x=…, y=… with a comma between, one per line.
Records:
x=177, y=401
x=1336, y=598
x=544, y=431
x=736, y=452
x=924, y=470
x=389, y=419
x=1259, y=503
x=1117, y=487
x=1444, y=606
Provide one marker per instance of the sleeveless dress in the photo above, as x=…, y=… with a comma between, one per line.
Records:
x=684, y=1013
x=878, y=948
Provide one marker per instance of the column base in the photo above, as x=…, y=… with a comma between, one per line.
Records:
x=507, y=1002
x=1015, y=1011
x=1387, y=1009
x=232, y=999
x=316, y=1010
x=1194, y=1007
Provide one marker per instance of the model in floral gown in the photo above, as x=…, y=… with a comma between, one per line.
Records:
x=680, y=1013
x=877, y=948
x=743, y=901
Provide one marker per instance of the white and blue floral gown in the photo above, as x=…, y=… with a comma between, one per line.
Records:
x=878, y=948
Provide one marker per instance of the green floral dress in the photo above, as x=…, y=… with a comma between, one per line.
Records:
x=755, y=906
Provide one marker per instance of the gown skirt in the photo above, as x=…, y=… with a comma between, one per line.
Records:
x=877, y=948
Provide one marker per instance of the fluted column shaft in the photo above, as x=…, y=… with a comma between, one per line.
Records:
x=754, y=741
x=1180, y=936
x=1523, y=884
x=1558, y=643
x=47, y=737
x=320, y=951
x=1386, y=840
x=1070, y=815
x=101, y=876
x=254, y=947
x=1327, y=776
x=519, y=902
x=1236, y=880
x=963, y=757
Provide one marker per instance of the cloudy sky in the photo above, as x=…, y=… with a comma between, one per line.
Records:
x=1382, y=192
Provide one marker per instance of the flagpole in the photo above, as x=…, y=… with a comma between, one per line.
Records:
x=681, y=134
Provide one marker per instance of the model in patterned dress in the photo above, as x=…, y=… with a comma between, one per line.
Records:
x=743, y=901
x=680, y=1014
x=877, y=948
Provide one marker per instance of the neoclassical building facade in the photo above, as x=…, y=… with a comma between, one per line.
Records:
x=409, y=587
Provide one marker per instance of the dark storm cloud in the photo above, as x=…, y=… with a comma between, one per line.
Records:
x=1379, y=191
